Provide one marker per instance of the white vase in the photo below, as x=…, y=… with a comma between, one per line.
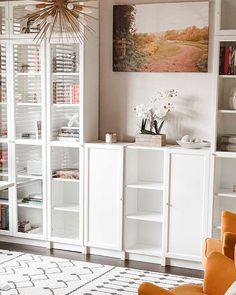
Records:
x=232, y=99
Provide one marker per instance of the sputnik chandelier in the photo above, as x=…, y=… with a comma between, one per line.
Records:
x=71, y=18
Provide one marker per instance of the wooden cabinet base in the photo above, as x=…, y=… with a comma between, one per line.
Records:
x=150, y=140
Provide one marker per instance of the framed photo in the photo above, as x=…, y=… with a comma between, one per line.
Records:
x=161, y=37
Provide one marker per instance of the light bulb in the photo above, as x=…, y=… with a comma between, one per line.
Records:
x=70, y=6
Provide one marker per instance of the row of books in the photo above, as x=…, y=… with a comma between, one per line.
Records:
x=227, y=60
x=65, y=61
x=4, y=217
x=66, y=93
x=69, y=134
x=228, y=143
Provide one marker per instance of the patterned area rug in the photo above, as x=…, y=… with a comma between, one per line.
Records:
x=29, y=274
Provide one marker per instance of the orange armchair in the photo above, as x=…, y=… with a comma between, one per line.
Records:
x=220, y=274
x=228, y=238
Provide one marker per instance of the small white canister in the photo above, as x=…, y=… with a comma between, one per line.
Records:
x=111, y=137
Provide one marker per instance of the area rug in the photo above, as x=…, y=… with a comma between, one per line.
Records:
x=29, y=274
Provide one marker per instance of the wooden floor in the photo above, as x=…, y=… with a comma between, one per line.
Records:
x=101, y=260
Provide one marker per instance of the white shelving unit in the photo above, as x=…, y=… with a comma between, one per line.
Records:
x=225, y=120
x=43, y=85
x=144, y=201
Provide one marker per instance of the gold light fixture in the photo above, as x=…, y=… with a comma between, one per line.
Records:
x=70, y=18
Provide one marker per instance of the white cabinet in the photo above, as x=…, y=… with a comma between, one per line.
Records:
x=43, y=86
x=104, y=196
x=187, y=205
x=166, y=199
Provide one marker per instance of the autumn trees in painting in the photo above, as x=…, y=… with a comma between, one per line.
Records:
x=172, y=50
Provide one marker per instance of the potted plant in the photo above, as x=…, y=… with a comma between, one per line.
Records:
x=153, y=116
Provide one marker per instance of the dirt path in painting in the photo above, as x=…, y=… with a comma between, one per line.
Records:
x=185, y=60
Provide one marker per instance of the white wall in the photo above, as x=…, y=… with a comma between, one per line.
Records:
x=121, y=92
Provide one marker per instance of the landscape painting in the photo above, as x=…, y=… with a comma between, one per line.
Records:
x=161, y=37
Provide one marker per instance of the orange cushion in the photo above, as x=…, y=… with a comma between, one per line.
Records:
x=210, y=245
x=150, y=289
x=220, y=273
x=188, y=290
x=228, y=222
x=229, y=242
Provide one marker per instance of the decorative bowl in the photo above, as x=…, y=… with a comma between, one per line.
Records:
x=193, y=145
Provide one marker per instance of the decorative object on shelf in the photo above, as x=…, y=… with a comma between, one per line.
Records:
x=111, y=137
x=153, y=118
x=232, y=98
x=24, y=68
x=161, y=37
x=71, y=132
x=63, y=16
x=24, y=226
x=190, y=142
x=34, y=199
x=67, y=173
x=234, y=189
x=228, y=143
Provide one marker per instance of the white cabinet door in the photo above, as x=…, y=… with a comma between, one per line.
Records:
x=104, y=196
x=188, y=200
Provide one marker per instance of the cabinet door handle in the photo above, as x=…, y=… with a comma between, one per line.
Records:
x=168, y=204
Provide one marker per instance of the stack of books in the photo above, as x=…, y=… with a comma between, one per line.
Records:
x=66, y=93
x=69, y=134
x=3, y=160
x=227, y=60
x=65, y=61
x=4, y=217
x=228, y=143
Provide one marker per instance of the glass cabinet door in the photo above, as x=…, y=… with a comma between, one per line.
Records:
x=3, y=19
x=65, y=137
x=29, y=137
x=20, y=25
x=65, y=85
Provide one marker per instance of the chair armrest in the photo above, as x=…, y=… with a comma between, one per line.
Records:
x=229, y=242
x=150, y=289
x=209, y=246
x=220, y=274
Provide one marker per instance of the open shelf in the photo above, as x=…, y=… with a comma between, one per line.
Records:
x=227, y=111
x=34, y=233
x=147, y=185
x=65, y=74
x=228, y=76
x=66, y=180
x=68, y=208
x=66, y=105
x=58, y=143
x=28, y=74
x=228, y=193
x=221, y=154
x=143, y=249
x=30, y=205
x=146, y=216
x=28, y=104
x=28, y=142
x=4, y=202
